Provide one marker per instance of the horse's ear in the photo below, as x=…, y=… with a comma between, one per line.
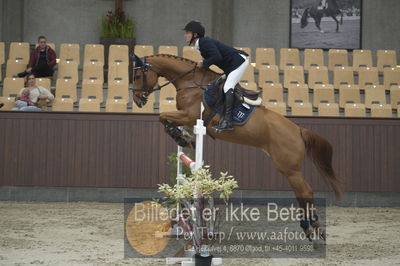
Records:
x=137, y=60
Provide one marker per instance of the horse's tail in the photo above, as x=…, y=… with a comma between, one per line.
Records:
x=320, y=152
x=304, y=21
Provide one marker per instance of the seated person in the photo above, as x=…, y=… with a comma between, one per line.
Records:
x=23, y=99
x=35, y=93
x=41, y=61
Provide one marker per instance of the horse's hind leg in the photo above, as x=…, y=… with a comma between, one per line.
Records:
x=337, y=23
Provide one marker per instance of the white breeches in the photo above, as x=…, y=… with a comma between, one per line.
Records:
x=234, y=77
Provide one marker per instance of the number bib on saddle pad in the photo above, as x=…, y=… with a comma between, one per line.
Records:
x=213, y=97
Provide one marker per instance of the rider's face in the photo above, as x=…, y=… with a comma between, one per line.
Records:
x=188, y=36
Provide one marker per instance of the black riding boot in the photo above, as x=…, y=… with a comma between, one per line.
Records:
x=226, y=123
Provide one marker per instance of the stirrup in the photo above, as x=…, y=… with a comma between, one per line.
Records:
x=218, y=128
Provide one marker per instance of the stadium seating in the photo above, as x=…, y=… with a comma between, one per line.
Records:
x=337, y=58
x=328, y=109
x=94, y=53
x=144, y=50
x=278, y=107
x=272, y=91
x=92, y=89
x=381, y=110
x=63, y=105
x=190, y=53
x=268, y=74
x=164, y=49
x=343, y=76
x=297, y=93
x=361, y=59
x=374, y=97
x=395, y=96
x=368, y=76
x=293, y=75
x=317, y=76
x=349, y=95
x=118, y=53
x=323, y=94
x=391, y=77
x=69, y=52
x=89, y=105
x=354, y=110
x=313, y=58
x=265, y=57
x=289, y=57
x=19, y=51
x=302, y=109
x=66, y=88
x=116, y=105
x=386, y=59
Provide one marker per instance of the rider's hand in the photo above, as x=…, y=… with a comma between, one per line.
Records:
x=200, y=64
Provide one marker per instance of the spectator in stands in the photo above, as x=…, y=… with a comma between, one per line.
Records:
x=232, y=61
x=35, y=94
x=41, y=61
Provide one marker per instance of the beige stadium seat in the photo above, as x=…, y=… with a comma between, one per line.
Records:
x=289, y=57
x=144, y=50
x=362, y=59
x=147, y=109
x=66, y=88
x=337, y=58
x=168, y=105
x=93, y=71
x=354, y=110
x=89, y=105
x=167, y=91
x=386, y=59
x=374, y=97
x=44, y=82
x=19, y=51
x=298, y=93
x=368, y=76
x=189, y=52
x=70, y=52
x=317, y=76
x=272, y=92
x=118, y=71
x=302, y=109
x=248, y=75
x=293, y=75
x=165, y=49
x=249, y=85
x=323, y=94
x=92, y=89
x=94, y=53
x=265, y=57
x=391, y=77
x=247, y=50
x=277, y=107
x=118, y=53
x=313, y=58
x=343, y=76
x=14, y=67
x=68, y=70
x=349, y=86
x=1, y=73
x=63, y=105
x=119, y=89
x=349, y=95
x=374, y=87
x=268, y=74
x=328, y=109
x=395, y=96
x=381, y=110
x=116, y=105
x=12, y=86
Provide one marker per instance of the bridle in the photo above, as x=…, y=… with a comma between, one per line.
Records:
x=145, y=68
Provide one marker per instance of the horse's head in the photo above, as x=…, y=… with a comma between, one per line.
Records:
x=145, y=79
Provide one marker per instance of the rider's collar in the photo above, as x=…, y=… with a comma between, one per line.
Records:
x=196, y=45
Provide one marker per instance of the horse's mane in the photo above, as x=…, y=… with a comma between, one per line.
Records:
x=183, y=59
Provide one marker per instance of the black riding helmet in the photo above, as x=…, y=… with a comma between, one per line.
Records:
x=195, y=27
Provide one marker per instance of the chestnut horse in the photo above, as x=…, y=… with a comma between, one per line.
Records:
x=282, y=140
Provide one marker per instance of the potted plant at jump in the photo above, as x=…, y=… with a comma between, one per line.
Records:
x=117, y=28
x=198, y=215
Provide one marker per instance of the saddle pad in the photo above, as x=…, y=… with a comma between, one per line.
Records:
x=241, y=111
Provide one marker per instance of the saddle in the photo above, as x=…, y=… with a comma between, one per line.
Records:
x=244, y=104
x=241, y=94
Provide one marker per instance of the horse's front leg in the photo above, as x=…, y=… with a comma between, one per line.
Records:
x=171, y=122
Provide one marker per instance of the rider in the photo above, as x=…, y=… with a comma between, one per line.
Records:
x=323, y=4
x=232, y=61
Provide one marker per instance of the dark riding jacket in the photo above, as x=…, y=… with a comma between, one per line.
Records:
x=216, y=53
